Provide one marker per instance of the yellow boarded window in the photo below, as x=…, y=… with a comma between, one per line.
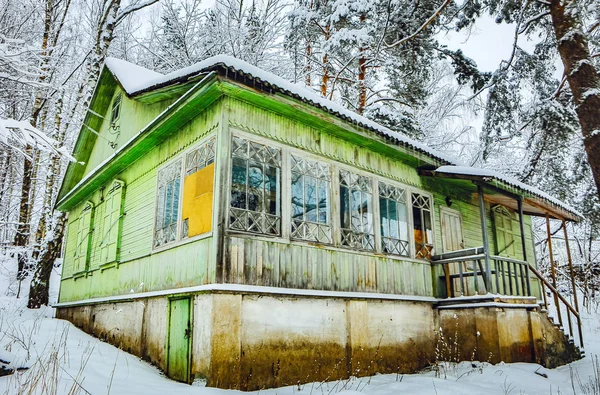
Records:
x=112, y=219
x=198, y=188
x=84, y=232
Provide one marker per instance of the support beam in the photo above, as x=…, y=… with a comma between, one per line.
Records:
x=523, y=245
x=486, y=243
x=573, y=286
x=553, y=269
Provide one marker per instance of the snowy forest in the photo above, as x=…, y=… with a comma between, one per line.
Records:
x=535, y=117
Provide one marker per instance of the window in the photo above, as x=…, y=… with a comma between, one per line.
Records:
x=393, y=220
x=116, y=110
x=112, y=220
x=167, y=204
x=198, y=188
x=255, y=188
x=84, y=239
x=422, y=226
x=356, y=211
x=507, y=232
x=310, y=200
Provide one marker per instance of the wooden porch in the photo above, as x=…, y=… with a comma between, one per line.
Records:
x=478, y=271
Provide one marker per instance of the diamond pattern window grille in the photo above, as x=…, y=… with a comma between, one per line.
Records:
x=256, y=188
x=167, y=204
x=356, y=211
x=422, y=226
x=393, y=220
x=310, y=199
x=200, y=157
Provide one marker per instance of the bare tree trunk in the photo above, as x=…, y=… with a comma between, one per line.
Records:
x=325, y=65
x=24, y=227
x=104, y=37
x=307, y=68
x=362, y=73
x=40, y=284
x=582, y=76
x=52, y=174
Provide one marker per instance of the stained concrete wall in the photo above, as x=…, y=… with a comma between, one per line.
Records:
x=508, y=334
x=261, y=341
x=252, y=341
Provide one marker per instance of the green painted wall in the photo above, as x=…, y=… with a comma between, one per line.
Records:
x=141, y=268
x=134, y=116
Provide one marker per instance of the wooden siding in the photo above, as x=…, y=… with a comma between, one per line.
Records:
x=185, y=266
x=245, y=117
x=134, y=116
x=141, y=268
x=257, y=261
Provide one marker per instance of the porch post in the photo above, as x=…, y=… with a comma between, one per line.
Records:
x=486, y=243
x=572, y=272
x=522, y=227
x=552, y=268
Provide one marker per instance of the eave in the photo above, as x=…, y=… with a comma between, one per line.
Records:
x=507, y=195
x=196, y=99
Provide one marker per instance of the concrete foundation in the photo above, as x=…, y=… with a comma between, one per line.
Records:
x=250, y=341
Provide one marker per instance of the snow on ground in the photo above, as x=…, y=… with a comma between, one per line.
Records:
x=64, y=360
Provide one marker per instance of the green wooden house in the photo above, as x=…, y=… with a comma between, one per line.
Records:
x=227, y=224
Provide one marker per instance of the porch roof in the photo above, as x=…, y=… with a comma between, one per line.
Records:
x=505, y=191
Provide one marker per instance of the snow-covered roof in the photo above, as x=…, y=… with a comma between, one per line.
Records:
x=132, y=77
x=490, y=175
x=135, y=80
x=141, y=82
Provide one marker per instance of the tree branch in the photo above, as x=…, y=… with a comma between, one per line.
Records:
x=423, y=26
x=133, y=8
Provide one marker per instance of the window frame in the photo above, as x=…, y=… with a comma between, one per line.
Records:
x=284, y=176
x=374, y=205
x=117, y=103
x=334, y=210
x=330, y=202
x=409, y=217
x=179, y=240
x=432, y=217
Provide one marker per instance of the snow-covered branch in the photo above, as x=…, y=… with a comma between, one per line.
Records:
x=422, y=27
x=18, y=134
x=133, y=8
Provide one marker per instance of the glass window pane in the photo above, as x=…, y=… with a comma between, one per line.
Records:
x=383, y=209
x=356, y=210
x=256, y=187
x=394, y=231
x=402, y=221
x=417, y=225
x=167, y=203
x=310, y=195
x=344, y=207
x=272, y=190
x=297, y=196
x=324, y=202
x=428, y=227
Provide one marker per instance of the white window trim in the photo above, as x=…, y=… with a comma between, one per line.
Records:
x=181, y=156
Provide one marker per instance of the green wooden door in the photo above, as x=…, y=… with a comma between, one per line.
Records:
x=180, y=331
